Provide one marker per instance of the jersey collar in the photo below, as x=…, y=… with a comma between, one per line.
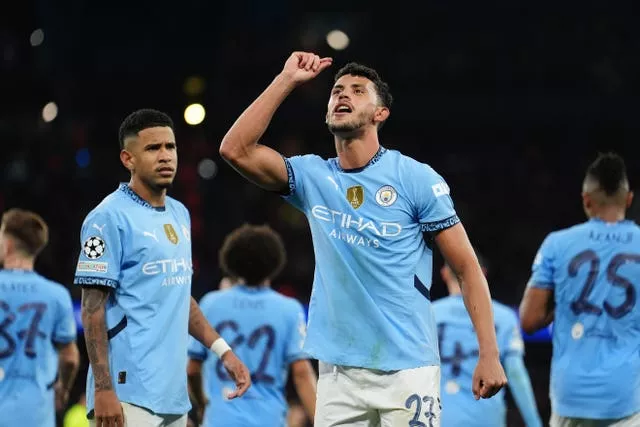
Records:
x=376, y=157
x=124, y=187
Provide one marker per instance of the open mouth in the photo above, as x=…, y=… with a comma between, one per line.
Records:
x=342, y=108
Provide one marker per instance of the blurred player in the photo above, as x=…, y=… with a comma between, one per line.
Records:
x=459, y=354
x=266, y=329
x=586, y=279
x=39, y=358
x=135, y=268
x=370, y=320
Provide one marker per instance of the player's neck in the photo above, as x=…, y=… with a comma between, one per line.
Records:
x=356, y=152
x=15, y=262
x=154, y=197
x=610, y=214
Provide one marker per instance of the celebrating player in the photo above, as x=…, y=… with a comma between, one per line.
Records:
x=586, y=279
x=135, y=268
x=459, y=354
x=264, y=327
x=37, y=328
x=370, y=322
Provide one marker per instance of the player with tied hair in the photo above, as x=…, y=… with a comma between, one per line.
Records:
x=135, y=270
x=370, y=324
x=39, y=358
x=266, y=329
x=586, y=279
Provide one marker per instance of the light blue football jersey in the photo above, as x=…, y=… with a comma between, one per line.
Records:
x=144, y=254
x=370, y=305
x=266, y=330
x=459, y=355
x=35, y=315
x=594, y=271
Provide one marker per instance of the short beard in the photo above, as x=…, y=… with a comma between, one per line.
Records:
x=346, y=129
x=158, y=187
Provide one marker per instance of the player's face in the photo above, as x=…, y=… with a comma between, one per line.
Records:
x=153, y=157
x=353, y=105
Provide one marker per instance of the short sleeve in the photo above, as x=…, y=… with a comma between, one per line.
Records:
x=542, y=270
x=65, y=323
x=297, y=175
x=100, y=251
x=433, y=201
x=510, y=337
x=297, y=335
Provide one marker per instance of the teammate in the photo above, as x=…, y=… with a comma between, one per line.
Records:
x=135, y=268
x=370, y=321
x=264, y=327
x=39, y=358
x=586, y=279
x=459, y=354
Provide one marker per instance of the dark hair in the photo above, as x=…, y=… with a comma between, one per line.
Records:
x=27, y=228
x=382, y=88
x=140, y=120
x=254, y=253
x=609, y=170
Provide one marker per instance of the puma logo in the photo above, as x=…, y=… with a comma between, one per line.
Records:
x=152, y=235
x=333, y=181
x=98, y=228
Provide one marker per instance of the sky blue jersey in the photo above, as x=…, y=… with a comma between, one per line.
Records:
x=594, y=271
x=459, y=355
x=370, y=305
x=266, y=330
x=35, y=315
x=144, y=255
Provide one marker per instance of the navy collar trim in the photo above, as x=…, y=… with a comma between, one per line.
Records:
x=124, y=187
x=376, y=157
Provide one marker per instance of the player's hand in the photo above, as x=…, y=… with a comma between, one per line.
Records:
x=488, y=378
x=303, y=66
x=238, y=373
x=61, y=396
x=108, y=410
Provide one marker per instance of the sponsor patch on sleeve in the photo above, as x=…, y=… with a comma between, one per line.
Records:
x=92, y=267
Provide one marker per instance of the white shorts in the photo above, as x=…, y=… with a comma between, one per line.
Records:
x=367, y=398
x=136, y=416
x=630, y=421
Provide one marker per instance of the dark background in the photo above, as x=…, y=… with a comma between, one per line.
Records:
x=509, y=101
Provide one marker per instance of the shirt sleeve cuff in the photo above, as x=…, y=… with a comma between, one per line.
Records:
x=95, y=281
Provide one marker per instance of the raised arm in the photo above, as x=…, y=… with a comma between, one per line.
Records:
x=258, y=163
x=107, y=406
x=489, y=376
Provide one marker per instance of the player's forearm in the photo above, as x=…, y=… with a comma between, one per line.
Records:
x=521, y=389
x=252, y=123
x=199, y=326
x=477, y=300
x=196, y=389
x=305, y=383
x=68, y=364
x=95, y=335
